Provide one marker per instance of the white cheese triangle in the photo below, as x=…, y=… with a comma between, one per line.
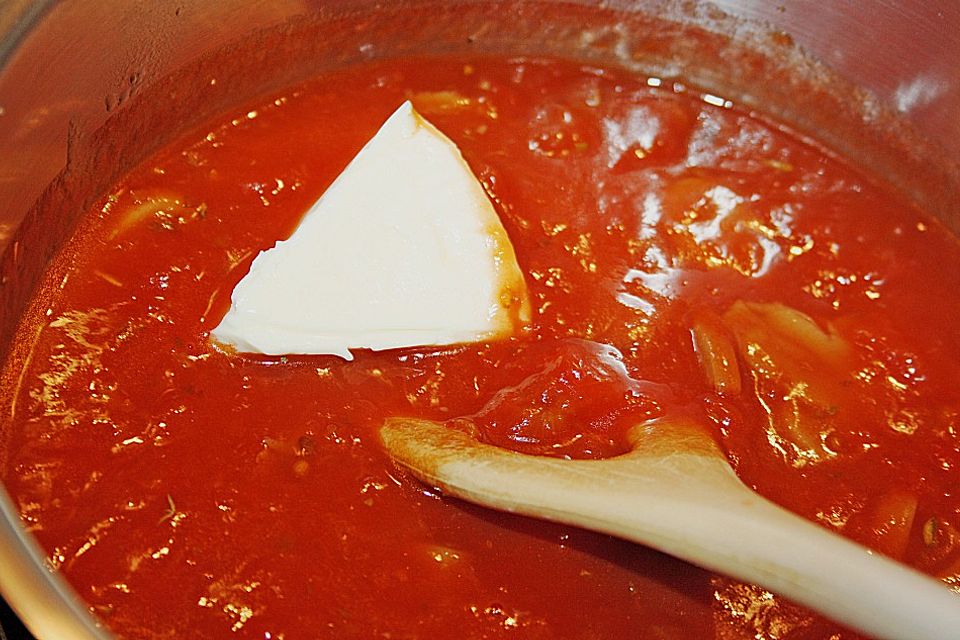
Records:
x=404, y=249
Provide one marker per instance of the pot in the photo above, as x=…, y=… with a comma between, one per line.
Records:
x=88, y=89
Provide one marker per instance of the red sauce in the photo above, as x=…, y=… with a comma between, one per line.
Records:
x=680, y=256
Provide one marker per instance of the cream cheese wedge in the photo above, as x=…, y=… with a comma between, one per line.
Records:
x=404, y=249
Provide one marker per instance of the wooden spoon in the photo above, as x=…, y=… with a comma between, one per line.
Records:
x=674, y=491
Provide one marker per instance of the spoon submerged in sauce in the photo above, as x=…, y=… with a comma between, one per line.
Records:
x=674, y=491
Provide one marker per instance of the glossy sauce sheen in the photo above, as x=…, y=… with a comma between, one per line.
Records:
x=681, y=255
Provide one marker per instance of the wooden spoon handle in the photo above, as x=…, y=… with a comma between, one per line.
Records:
x=689, y=504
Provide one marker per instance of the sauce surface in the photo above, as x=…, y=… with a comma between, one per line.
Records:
x=681, y=255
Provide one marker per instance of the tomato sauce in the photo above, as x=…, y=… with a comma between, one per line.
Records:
x=682, y=254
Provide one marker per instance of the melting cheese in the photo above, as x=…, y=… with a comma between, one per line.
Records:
x=404, y=249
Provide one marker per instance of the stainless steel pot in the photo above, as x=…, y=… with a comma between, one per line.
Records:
x=90, y=87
